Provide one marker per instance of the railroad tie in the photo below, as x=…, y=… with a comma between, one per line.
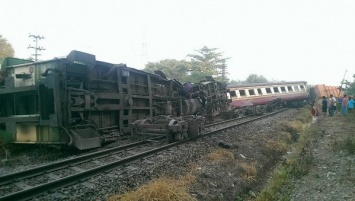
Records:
x=23, y=185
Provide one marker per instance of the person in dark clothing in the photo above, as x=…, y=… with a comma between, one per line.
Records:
x=324, y=106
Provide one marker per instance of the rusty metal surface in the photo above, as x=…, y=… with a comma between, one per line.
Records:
x=324, y=90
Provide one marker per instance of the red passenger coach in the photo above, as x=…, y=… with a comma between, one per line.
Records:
x=242, y=95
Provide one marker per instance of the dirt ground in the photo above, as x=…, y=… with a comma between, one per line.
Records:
x=332, y=175
x=242, y=170
x=241, y=167
x=236, y=165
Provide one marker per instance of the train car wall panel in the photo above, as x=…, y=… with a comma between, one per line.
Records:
x=262, y=93
x=26, y=133
x=32, y=134
x=320, y=90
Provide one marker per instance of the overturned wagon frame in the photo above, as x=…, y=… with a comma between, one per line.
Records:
x=78, y=100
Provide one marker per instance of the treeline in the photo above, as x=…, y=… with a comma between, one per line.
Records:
x=204, y=62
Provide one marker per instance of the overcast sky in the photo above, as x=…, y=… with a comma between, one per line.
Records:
x=311, y=40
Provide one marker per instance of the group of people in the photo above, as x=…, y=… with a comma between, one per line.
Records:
x=330, y=106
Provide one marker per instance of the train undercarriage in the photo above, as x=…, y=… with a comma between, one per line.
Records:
x=79, y=101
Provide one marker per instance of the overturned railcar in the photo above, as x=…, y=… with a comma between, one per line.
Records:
x=78, y=100
x=242, y=95
x=270, y=95
x=186, y=116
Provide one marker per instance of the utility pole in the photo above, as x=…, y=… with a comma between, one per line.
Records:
x=222, y=71
x=342, y=83
x=37, y=48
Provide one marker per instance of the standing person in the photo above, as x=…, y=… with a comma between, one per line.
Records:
x=340, y=101
x=332, y=100
x=334, y=103
x=324, y=106
x=351, y=104
x=314, y=112
x=344, y=105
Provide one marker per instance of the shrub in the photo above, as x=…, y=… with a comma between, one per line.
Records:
x=219, y=155
x=162, y=189
x=249, y=170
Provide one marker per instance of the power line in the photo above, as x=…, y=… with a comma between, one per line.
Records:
x=36, y=48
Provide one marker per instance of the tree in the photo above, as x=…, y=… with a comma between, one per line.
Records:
x=208, y=62
x=6, y=49
x=254, y=78
x=235, y=82
x=351, y=88
x=172, y=68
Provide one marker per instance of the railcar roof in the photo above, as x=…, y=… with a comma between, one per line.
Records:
x=264, y=84
x=34, y=63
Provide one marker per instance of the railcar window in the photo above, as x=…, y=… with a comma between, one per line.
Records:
x=283, y=89
x=268, y=90
x=276, y=90
x=242, y=92
x=251, y=92
x=296, y=88
x=302, y=88
x=232, y=93
x=259, y=92
x=289, y=88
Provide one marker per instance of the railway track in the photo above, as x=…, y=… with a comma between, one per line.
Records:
x=117, y=157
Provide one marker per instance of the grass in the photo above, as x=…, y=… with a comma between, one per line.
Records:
x=349, y=144
x=169, y=189
x=161, y=189
x=279, y=186
x=276, y=147
x=296, y=126
x=249, y=171
x=177, y=189
x=219, y=155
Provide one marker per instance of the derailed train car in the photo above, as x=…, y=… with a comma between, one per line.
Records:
x=260, y=97
x=83, y=102
x=198, y=101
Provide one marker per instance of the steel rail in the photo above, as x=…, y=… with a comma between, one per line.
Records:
x=40, y=170
x=226, y=121
x=82, y=176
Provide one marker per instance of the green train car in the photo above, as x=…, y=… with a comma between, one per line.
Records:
x=77, y=100
x=82, y=102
